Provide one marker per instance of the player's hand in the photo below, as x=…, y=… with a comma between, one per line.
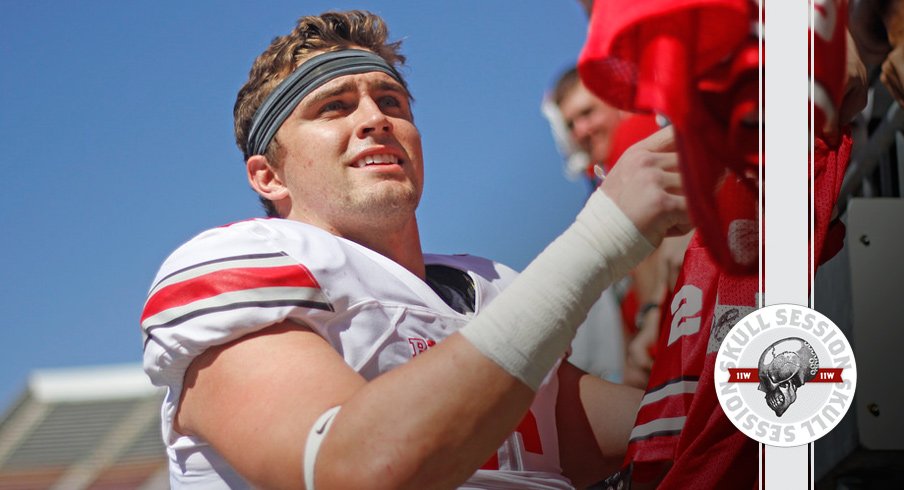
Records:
x=646, y=185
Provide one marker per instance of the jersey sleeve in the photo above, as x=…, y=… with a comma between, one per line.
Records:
x=223, y=284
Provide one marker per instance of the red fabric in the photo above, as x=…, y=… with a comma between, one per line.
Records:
x=715, y=139
x=711, y=452
x=828, y=71
x=829, y=38
x=225, y=281
x=708, y=452
x=830, y=165
x=696, y=62
x=629, y=131
x=690, y=333
x=629, y=307
x=834, y=241
x=688, y=308
x=530, y=437
x=641, y=55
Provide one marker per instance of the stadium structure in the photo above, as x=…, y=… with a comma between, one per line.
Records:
x=94, y=428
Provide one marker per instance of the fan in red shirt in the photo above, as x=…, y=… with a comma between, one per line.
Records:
x=696, y=62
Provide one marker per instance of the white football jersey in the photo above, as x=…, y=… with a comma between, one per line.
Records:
x=234, y=280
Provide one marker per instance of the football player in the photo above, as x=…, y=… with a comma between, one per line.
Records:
x=322, y=347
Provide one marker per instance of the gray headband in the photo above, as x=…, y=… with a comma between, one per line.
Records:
x=305, y=79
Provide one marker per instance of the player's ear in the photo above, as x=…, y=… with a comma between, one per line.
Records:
x=264, y=179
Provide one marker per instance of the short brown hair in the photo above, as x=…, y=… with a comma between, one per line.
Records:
x=567, y=82
x=312, y=35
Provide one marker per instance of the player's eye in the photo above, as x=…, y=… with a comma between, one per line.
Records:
x=333, y=106
x=390, y=101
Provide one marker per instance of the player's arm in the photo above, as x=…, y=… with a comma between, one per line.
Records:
x=436, y=419
x=594, y=418
x=430, y=422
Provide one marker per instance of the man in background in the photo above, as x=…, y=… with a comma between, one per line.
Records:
x=593, y=135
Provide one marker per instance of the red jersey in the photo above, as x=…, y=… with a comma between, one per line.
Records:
x=680, y=419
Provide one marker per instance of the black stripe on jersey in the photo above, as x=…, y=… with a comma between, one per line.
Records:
x=661, y=433
x=224, y=259
x=317, y=305
x=671, y=382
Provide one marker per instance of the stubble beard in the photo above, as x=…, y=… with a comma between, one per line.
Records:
x=383, y=208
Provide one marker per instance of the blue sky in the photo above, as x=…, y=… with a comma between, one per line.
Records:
x=117, y=146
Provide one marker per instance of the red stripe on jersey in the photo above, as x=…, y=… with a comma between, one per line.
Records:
x=224, y=281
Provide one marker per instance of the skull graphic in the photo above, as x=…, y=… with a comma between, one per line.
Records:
x=784, y=367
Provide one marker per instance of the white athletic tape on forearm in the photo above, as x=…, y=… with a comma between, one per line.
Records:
x=528, y=327
x=312, y=445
